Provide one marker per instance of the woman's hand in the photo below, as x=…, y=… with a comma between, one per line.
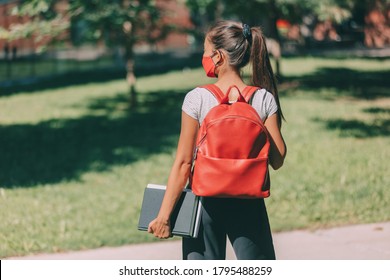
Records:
x=160, y=228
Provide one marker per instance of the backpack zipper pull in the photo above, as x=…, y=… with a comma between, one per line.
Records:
x=195, y=153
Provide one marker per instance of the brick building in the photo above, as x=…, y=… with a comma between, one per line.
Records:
x=178, y=15
x=6, y=19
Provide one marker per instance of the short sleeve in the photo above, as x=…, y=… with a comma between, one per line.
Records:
x=192, y=104
x=265, y=104
x=271, y=107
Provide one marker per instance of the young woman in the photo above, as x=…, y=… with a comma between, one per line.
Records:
x=228, y=47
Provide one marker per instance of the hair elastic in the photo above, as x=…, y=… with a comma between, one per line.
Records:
x=246, y=31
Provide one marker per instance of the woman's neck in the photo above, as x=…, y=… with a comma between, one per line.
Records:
x=229, y=78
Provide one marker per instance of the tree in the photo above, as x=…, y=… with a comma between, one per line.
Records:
x=122, y=23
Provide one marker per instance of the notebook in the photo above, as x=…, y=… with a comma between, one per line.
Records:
x=185, y=219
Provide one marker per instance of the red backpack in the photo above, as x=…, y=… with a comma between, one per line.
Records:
x=231, y=155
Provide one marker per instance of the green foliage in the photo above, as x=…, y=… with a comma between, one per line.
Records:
x=335, y=10
x=32, y=8
x=113, y=21
x=293, y=10
x=116, y=22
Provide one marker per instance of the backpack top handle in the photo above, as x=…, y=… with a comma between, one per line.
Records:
x=247, y=93
x=227, y=100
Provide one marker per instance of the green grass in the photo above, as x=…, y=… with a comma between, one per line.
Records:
x=74, y=160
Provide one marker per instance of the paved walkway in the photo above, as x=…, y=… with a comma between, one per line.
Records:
x=356, y=242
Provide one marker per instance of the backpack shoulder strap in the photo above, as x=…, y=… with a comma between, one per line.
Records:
x=248, y=93
x=215, y=90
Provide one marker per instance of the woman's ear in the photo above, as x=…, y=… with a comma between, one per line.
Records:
x=220, y=58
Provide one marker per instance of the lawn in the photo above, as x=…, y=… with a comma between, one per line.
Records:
x=74, y=160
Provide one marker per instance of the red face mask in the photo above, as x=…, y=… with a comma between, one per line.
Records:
x=209, y=65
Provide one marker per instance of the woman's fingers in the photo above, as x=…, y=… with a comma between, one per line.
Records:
x=159, y=230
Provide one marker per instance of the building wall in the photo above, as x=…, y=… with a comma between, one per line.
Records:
x=179, y=15
x=7, y=20
x=176, y=13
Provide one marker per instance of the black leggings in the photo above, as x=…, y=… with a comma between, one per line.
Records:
x=244, y=221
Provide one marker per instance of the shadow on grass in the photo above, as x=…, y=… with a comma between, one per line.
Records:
x=344, y=82
x=61, y=150
x=376, y=127
x=332, y=83
x=359, y=128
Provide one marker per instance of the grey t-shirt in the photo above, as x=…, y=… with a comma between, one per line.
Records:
x=199, y=101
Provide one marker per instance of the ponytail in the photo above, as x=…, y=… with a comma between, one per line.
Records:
x=243, y=45
x=262, y=73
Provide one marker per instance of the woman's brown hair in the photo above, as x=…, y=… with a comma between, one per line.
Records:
x=243, y=45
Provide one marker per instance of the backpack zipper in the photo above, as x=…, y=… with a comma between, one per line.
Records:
x=260, y=123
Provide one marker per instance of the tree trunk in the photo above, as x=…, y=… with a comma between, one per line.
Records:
x=275, y=49
x=129, y=32
x=131, y=80
x=218, y=10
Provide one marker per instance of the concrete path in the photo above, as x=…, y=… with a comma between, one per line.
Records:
x=356, y=242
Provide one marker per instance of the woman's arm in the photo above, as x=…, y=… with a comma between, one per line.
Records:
x=278, y=146
x=178, y=176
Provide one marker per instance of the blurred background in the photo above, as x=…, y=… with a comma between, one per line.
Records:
x=45, y=38
x=90, y=100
